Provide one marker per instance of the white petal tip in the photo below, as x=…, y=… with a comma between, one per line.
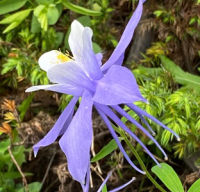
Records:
x=166, y=158
x=153, y=133
x=133, y=179
x=178, y=139
x=28, y=90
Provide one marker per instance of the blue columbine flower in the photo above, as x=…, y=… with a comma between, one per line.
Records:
x=101, y=86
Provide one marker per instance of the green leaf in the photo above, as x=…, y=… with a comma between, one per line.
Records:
x=169, y=177
x=19, y=154
x=14, y=175
x=195, y=186
x=59, y=39
x=80, y=10
x=33, y=187
x=23, y=107
x=10, y=27
x=179, y=75
x=35, y=25
x=7, y=6
x=44, y=2
x=4, y=146
x=53, y=14
x=15, y=19
x=104, y=189
x=96, y=48
x=106, y=150
x=41, y=13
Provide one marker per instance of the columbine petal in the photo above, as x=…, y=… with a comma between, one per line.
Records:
x=99, y=57
x=87, y=183
x=80, y=41
x=51, y=58
x=114, y=135
x=126, y=37
x=76, y=141
x=69, y=73
x=89, y=61
x=132, y=120
x=138, y=110
x=116, y=189
x=66, y=89
x=104, y=182
x=116, y=87
x=62, y=123
x=123, y=186
x=117, y=120
x=75, y=40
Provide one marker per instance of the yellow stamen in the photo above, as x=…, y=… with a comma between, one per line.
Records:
x=63, y=58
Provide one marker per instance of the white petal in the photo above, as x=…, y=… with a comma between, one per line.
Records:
x=51, y=58
x=80, y=41
x=60, y=88
x=75, y=39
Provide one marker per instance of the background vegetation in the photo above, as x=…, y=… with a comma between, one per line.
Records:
x=167, y=71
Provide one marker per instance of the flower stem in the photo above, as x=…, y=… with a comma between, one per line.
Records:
x=137, y=156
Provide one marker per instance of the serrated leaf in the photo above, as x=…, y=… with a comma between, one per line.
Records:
x=79, y=9
x=7, y=6
x=169, y=177
x=106, y=150
x=179, y=75
x=195, y=186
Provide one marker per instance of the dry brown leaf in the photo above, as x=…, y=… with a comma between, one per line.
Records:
x=9, y=105
x=5, y=128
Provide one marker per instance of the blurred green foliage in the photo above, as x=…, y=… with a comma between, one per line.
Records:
x=177, y=108
x=29, y=28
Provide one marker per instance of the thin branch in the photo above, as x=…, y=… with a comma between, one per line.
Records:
x=19, y=169
x=48, y=168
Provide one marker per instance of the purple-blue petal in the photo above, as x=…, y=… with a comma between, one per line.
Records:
x=62, y=123
x=126, y=37
x=117, y=120
x=132, y=120
x=114, y=135
x=116, y=87
x=123, y=186
x=138, y=110
x=60, y=88
x=104, y=182
x=87, y=184
x=76, y=141
x=99, y=57
x=70, y=73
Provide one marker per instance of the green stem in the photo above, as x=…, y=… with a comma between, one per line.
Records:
x=135, y=153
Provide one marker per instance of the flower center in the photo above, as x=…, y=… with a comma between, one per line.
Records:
x=63, y=58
